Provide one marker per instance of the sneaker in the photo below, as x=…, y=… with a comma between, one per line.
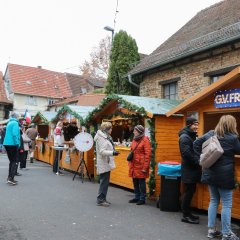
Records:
x=103, y=204
x=18, y=174
x=230, y=236
x=107, y=202
x=59, y=173
x=212, y=233
x=134, y=200
x=190, y=220
x=140, y=202
x=11, y=182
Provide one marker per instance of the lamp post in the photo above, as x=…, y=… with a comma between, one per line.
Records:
x=107, y=28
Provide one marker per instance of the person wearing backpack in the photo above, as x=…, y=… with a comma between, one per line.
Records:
x=190, y=169
x=220, y=176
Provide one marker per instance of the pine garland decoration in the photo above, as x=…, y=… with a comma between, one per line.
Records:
x=152, y=180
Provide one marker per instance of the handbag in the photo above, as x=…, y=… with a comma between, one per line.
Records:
x=130, y=155
x=211, y=152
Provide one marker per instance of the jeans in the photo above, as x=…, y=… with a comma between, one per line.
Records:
x=189, y=190
x=56, y=161
x=226, y=197
x=139, y=188
x=12, y=153
x=103, y=187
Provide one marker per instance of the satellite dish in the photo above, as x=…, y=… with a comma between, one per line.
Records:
x=83, y=141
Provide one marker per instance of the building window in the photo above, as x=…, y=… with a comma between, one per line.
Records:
x=51, y=101
x=170, y=90
x=31, y=100
x=213, y=79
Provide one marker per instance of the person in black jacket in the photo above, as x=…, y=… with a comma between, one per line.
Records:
x=190, y=170
x=220, y=176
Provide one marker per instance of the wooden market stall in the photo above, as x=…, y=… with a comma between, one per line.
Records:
x=44, y=142
x=222, y=97
x=73, y=118
x=127, y=111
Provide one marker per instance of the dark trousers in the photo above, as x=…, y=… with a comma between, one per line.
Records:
x=103, y=187
x=139, y=188
x=189, y=190
x=23, y=159
x=12, y=153
x=56, y=160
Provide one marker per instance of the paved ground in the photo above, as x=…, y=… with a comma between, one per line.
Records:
x=48, y=207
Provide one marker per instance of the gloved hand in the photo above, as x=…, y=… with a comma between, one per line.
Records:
x=115, y=153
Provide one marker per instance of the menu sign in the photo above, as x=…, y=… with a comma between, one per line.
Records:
x=227, y=98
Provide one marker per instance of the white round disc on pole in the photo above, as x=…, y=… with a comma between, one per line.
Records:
x=83, y=141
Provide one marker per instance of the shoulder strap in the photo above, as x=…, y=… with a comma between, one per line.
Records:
x=137, y=145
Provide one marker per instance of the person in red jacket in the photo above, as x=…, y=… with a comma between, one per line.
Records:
x=139, y=166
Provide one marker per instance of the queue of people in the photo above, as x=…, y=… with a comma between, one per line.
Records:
x=219, y=177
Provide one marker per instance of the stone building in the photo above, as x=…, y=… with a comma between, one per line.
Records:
x=198, y=54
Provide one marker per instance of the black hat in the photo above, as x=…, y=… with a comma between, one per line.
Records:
x=190, y=121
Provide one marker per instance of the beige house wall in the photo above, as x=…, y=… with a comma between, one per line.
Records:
x=20, y=104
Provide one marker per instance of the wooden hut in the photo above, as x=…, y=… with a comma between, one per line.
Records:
x=44, y=142
x=222, y=97
x=73, y=119
x=126, y=112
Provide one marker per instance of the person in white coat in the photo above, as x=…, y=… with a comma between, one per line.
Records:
x=105, y=161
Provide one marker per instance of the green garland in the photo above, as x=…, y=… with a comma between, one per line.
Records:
x=152, y=180
x=124, y=104
x=64, y=109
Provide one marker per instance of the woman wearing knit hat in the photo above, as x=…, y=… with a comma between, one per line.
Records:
x=139, y=165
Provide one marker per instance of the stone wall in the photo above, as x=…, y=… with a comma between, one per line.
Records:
x=192, y=79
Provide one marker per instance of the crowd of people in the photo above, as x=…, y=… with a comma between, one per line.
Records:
x=19, y=143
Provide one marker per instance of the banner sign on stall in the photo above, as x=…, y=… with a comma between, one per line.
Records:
x=227, y=98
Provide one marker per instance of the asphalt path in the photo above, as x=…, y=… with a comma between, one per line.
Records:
x=48, y=207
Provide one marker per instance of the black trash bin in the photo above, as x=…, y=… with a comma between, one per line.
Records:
x=169, y=198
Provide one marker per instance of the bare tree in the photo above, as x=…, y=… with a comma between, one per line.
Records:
x=97, y=66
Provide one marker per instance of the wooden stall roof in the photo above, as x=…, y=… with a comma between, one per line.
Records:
x=154, y=106
x=233, y=75
x=44, y=117
x=80, y=112
x=142, y=105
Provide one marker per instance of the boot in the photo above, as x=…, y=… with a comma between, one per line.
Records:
x=31, y=160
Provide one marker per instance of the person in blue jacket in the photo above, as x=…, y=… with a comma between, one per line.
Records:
x=11, y=143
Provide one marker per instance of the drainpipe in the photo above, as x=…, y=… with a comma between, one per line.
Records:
x=131, y=82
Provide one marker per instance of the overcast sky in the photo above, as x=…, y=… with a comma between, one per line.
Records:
x=60, y=34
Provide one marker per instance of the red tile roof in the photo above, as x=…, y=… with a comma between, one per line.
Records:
x=38, y=81
x=90, y=99
x=3, y=96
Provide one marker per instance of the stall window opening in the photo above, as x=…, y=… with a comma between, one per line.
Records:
x=170, y=91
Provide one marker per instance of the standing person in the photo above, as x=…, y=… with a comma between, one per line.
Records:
x=105, y=162
x=220, y=176
x=26, y=140
x=190, y=170
x=32, y=134
x=11, y=143
x=58, y=141
x=139, y=166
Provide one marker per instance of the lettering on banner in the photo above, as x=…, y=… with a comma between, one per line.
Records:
x=227, y=98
